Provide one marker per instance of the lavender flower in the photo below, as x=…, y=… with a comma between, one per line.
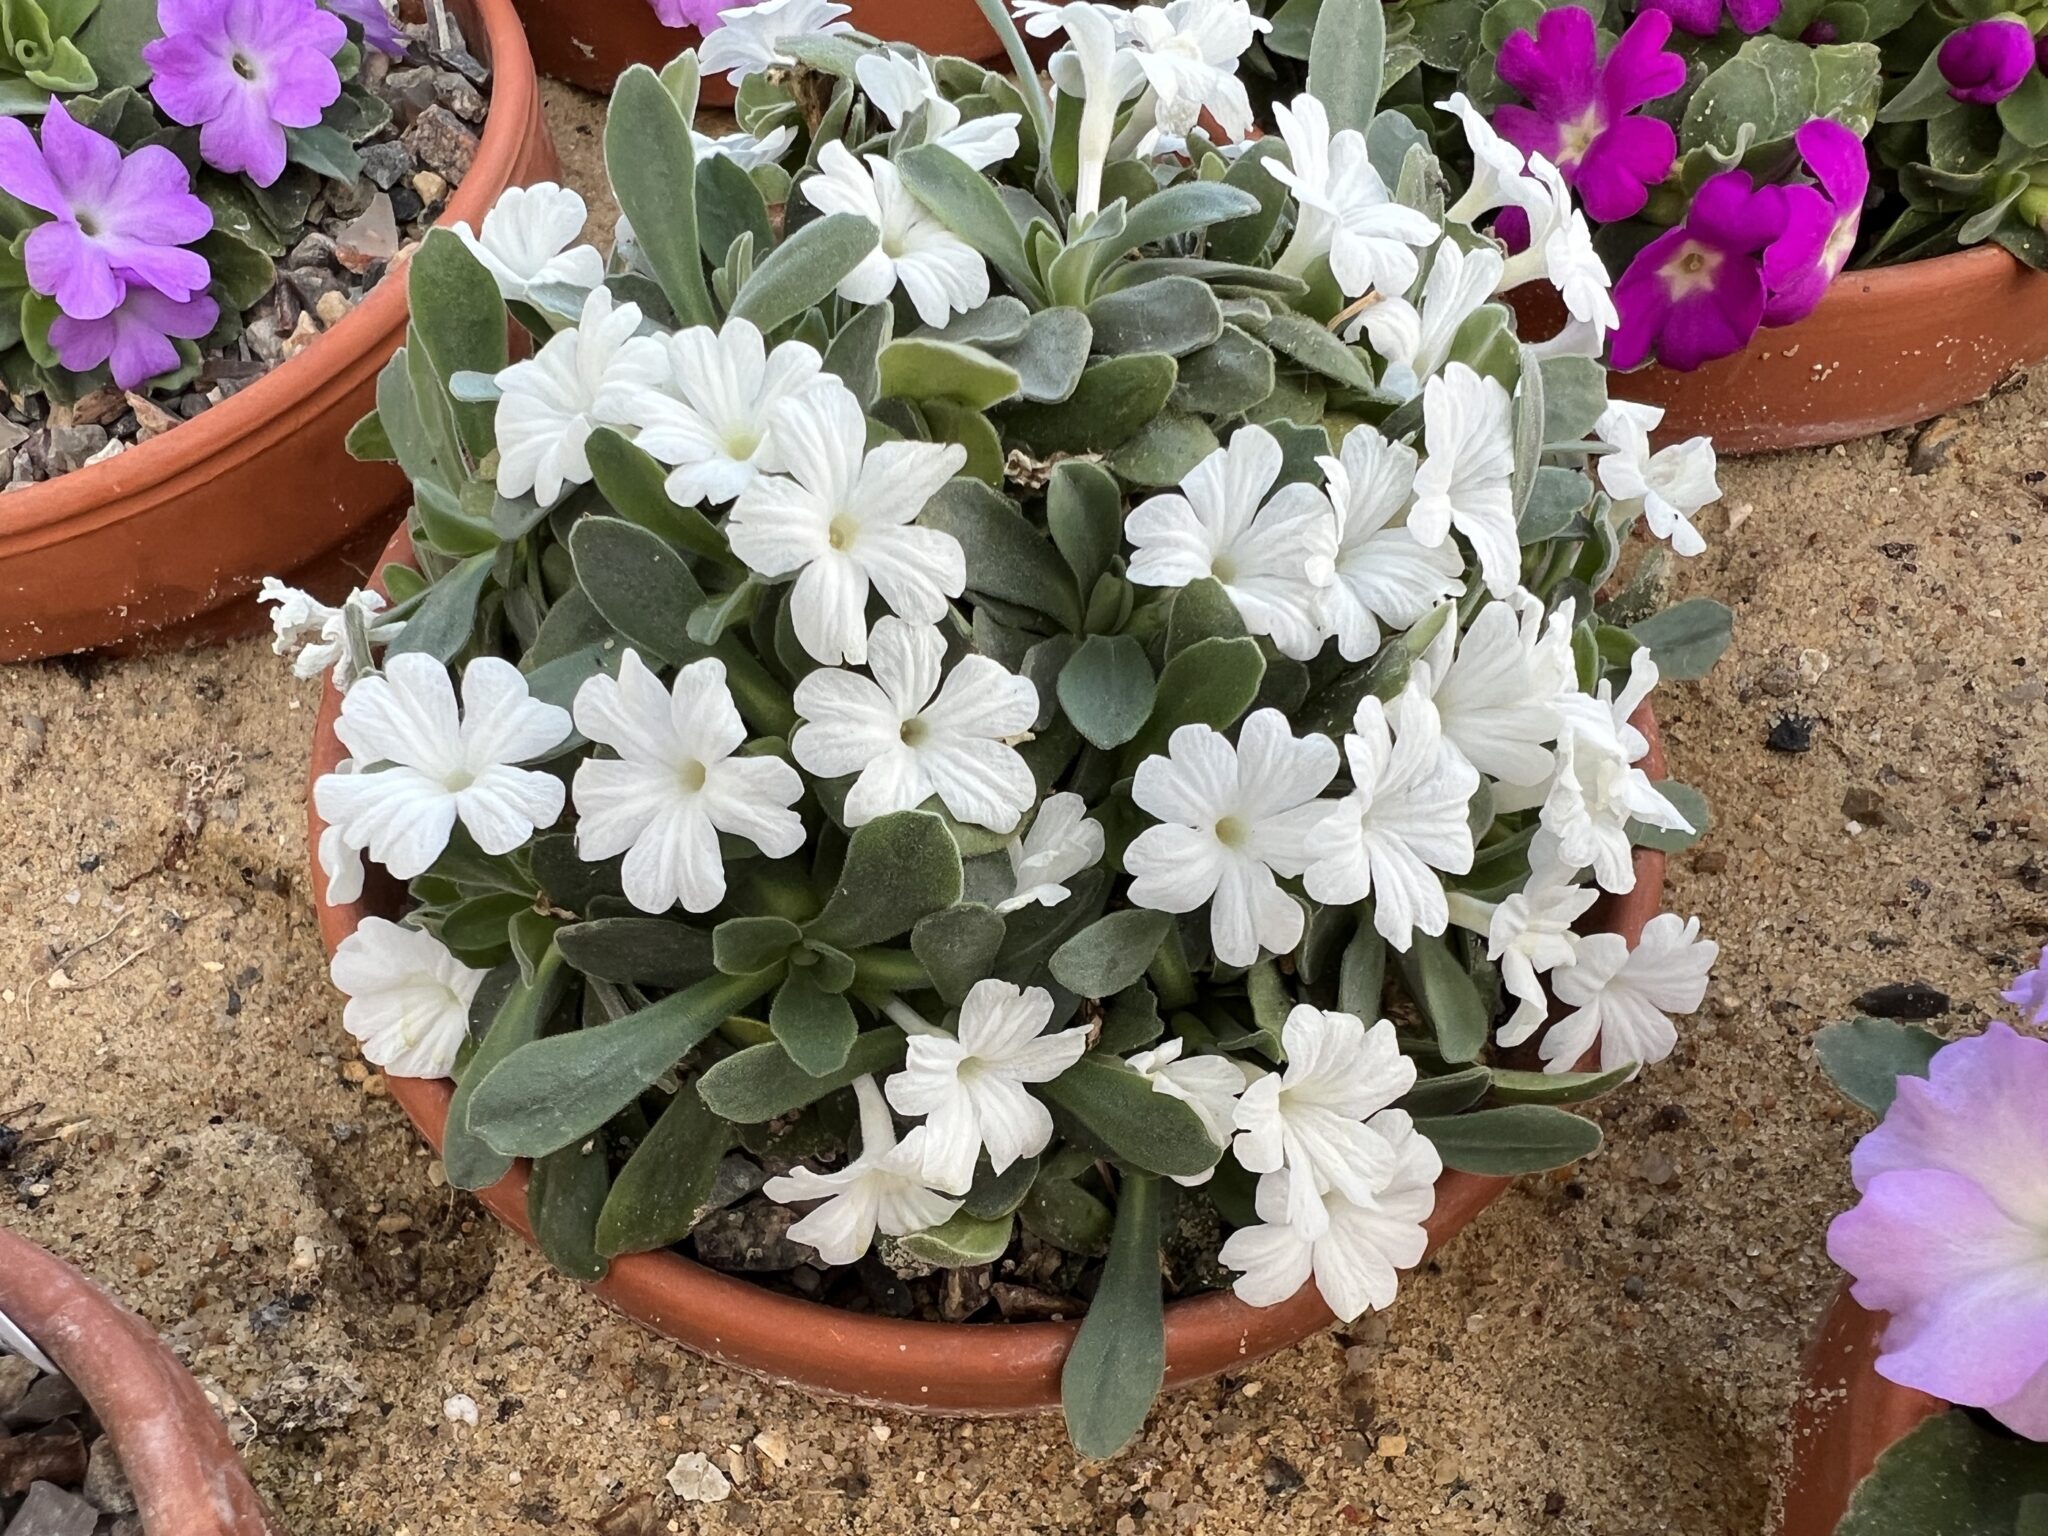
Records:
x=704, y=15
x=1986, y=61
x=1820, y=226
x=118, y=219
x=1579, y=105
x=2029, y=993
x=1702, y=18
x=1696, y=292
x=1951, y=1235
x=380, y=31
x=243, y=71
x=136, y=337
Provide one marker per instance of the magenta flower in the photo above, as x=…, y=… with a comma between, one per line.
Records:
x=1579, y=105
x=135, y=338
x=2029, y=993
x=1696, y=292
x=1702, y=18
x=243, y=71
x=1820, y=225
x=118, y=220
x=1951, y=1236
x=380, y=30
x=704, y=15
x=1986, y=61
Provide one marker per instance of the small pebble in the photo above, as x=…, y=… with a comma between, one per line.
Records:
x=695, y=1480
x=51, y=1511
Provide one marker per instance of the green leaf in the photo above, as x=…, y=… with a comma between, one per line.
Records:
x=1130, y=1022
x=898, y=868
x=651, y=161
x=564, y=1196
x=1315, y=348
x=957, y=948
x=1448, y=997
x=1574, y=395
x=478, y=925
x=632, y=480
x=1165, y=450
x=1112, y=953
x=1049, y=355
x=639, y=583
x=998, y=1194
x=803, y=270
x=1118, y=1363
x=729, y=205
x=1447, y=1093
x=761, y=1083
x=1226, y=379
x=815, y=1027
x=1007, y=558
x=1518, y=1139
x=1865, y=1058
x=1173, y=316
x=1347, y=61
x=1140, y=1127
x=243, y=273
x=1107, y=689
x=1951, y=1475
x=1113, y=399
x=1210, y=683
x=1084, y=511
x=1362, y=974
x=742, y=945
x=1201, y=610
x=1185, y=209
x=440, y=627
x=638, y=951
x=1558, y=1087
x=525, y=1012
x=1685, y=641
x=919, y=368
x=1057, y=1210
x=968, y=204
x=960, y=1243
x=324, y=150
x=665, y=1188
x=459, y=319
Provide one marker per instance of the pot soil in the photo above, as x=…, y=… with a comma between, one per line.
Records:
x=927, y=1367
x=1886, y=348
x=591, y=42
x=167, y=542
x=182, y=1468
x=1847, y=1417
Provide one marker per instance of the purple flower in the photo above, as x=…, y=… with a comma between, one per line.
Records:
x=1820, y=225
x=2029, y=993
x=1702, y=18
x=1951, y=1236
x=380, y=31
x=1986, y=61
x=243, y=71
x=118, y=220
x=704, y=15
x=1579, y=106
x=135, y=337
x=1696, y=292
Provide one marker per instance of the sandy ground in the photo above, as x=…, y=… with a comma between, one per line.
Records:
x=1610, y=1352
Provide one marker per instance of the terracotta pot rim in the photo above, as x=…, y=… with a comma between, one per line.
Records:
x=52, y=510
x=1971, y=264
x=976, y=1368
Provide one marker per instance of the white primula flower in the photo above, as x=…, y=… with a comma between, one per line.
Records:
x=1560, y=249
x=15, y=1342
x=1226, y=527
x=296, y=618
x=842, y=519
x=1623, y=997
x=882, y=1190
x=743, y=149
x=1497, y=166
x=1405, y=819
x=529, y=239
x=1497, y=687
x=1416, y=343
x=1356, y=1252
x=549, y=403
x=971, y=1089
x=711, y=416
x=902, y=84
x=1188, y=51
x=676, y=785
x=909, y=738
x=1597, y=790
x=1207, y=1084
x=744, y=42
x=940, y=273
x=341, y=864
x=1063, y=840
x=1098, y=68
x=1231, y=818
x=1379, y=574
x=1310, y=1118
x=1669, y=486
x=1464, y=481
x=1575, y=339
x=1527, y=934
x=408, y=997
x=421, y=766
x=1345, y=209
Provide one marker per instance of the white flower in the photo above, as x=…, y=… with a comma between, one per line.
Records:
x=1405, y=818
x=909, y=739
x=1311, y=1117
x=1062, y=842
x=1560, y=249
x=1345, y=209
x=296, y=617
x=883, y=1189
x=1357, y=1251
x=1209, y=1085
x=842, y=519
x=675, y=785
x=1497, y=687
x=744, y=42
x=1623, y=998
x=408, y=998
x=1259, y=549
x=971, y=1089
x=1497, y=166
x=1231, y=818
x=419, y=767
x=902, y=84
x=1188, y=52
x=550, y=402
x=1098, y=68
x=1596, y=790
x=14, y=1342
x=941, y=273
x=743, y=149
x=1464, y=482
x=1669, y=486
x=1415, y=344
x=528, y=240
x=712, y=413
x=341, y=864
x=1379, y=573
x=1575, y=339
x=1528, y=933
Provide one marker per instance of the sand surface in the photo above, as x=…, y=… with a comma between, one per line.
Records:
x=1609, y=1352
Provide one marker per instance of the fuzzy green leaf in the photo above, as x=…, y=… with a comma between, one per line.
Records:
x=651, y=160
x=761, y=1083
x=1107, y=689
x=1112, y=953
x=665, y=1188
x=804, y=269
x=898, y=868
x=1865, y=1058
x=1118, y=1363
x=1507, y=1142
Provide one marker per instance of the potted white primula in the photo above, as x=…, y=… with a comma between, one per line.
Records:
x=1008, y=720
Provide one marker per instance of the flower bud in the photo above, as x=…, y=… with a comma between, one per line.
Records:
x=1986, y=61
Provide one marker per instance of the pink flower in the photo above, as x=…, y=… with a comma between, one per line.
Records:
x=1821, y=225
x=1702, y=18
x=704, y=15
x=243, y=71
x=1985, y=62
x=135, y=338
x=2029, y=993
x=1696, y=292
x=380, y=31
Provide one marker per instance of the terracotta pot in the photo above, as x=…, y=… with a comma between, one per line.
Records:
x=186, y=1476
x=1886, y=348
x=167, y=542
x=945, y=1368
x=1846, y=1417
x=590, y=42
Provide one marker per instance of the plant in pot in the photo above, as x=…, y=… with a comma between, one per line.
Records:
x=1015, y=761
x=1822, y=209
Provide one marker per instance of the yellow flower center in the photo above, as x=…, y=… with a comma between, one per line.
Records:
x=1691, y=269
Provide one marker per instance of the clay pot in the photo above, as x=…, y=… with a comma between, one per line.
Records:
x=1886, y=348
x=942, y=1368
x=167, y=542
x=1846, y=1417
x=186, y=1476
x=590, y=42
